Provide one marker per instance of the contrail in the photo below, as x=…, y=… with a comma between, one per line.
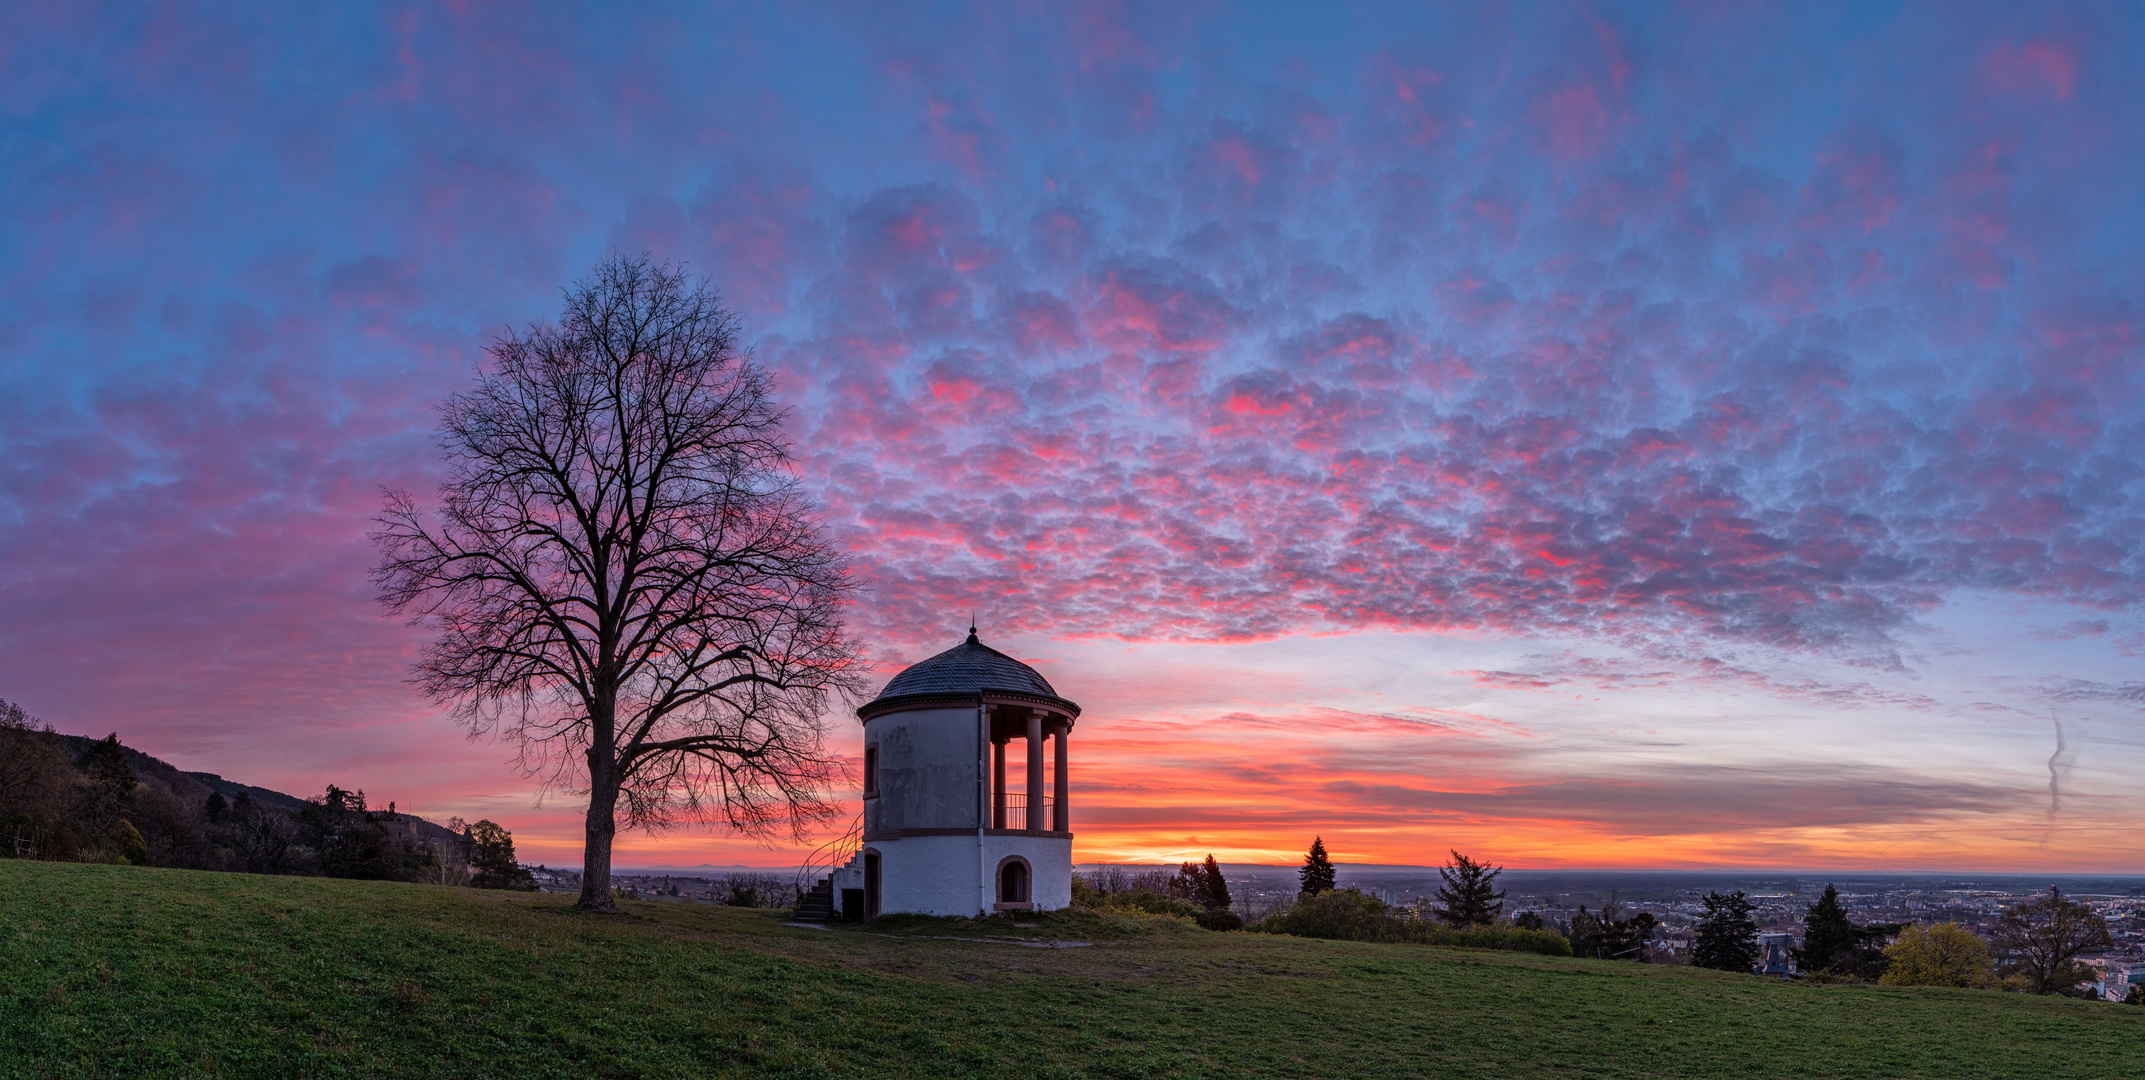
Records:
x=2055, y=793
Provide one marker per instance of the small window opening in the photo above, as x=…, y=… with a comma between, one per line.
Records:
x=871, y=770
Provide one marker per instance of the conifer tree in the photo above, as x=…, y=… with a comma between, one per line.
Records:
x=1828, y=935
x=1317, y=872
x=492, y=854
x=111, y=784
x=1727, y=936
x=1214, y=892
x=1469, y=896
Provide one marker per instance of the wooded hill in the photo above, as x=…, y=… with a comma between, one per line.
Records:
x=71, y=799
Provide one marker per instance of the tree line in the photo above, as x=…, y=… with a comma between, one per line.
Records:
x=2036, y=946
x=65, y=799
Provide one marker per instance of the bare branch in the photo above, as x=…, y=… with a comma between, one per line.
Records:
x=622, y=575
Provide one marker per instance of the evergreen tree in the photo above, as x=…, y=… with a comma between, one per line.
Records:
x=492, y=856
x=1215, y=891
x=1727, y=936
x=217, y=806
x=1828, y=935
x=1469, y=896
x=111, y=785
x=1201, y=884
x=1585, y=934
x=1529, y=920
x=1317, y=872
x=344, y=839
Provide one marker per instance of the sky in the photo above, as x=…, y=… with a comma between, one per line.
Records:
x=1581, y=435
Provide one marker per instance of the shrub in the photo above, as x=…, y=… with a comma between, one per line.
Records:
x=1349, y=915
x=1945, y=954
x=127, y=844
x=1219, y=919
x=1148, y=902
x=756, y=890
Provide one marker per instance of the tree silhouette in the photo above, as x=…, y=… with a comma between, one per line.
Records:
x=1727, y=936
x=2037, y=944
x=1202, y=884
x=1828, y=935
x=1469, y=896
x=623, y=575
x=491, y=853
x=1317, y=872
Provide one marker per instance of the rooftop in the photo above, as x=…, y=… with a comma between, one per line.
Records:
x=966, y=669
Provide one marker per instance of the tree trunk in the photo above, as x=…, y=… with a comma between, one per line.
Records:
x=602, y=826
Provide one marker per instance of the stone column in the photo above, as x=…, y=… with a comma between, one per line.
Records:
x=1035, y=771
x=998, y=784
x=1060, y=813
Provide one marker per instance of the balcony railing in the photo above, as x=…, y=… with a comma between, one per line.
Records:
x=1016, y=812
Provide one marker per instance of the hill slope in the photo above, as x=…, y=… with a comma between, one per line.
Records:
x=191, y=785
x=135, y=971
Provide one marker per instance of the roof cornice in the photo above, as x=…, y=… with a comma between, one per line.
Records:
x=987, y=695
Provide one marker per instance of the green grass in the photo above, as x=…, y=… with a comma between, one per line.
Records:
x=118, y=971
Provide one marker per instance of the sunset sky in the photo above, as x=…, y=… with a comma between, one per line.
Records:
x=1581, y=435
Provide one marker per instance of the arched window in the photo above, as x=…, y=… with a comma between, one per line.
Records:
x=1013, y=881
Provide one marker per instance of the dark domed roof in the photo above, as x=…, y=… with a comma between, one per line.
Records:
x=966, y=670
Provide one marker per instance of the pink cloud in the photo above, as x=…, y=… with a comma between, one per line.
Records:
x=2034, y=67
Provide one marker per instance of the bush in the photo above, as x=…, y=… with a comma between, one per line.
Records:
x=1145, y=902
x=1219, y=919
x=756, y=891
x=1945, y=954
x=1349, y=915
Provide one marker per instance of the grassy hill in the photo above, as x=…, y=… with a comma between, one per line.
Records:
x=122, y=971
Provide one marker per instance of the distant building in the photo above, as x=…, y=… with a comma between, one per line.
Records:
x=942, y=833
x=1776, y=954
x=2113, y=979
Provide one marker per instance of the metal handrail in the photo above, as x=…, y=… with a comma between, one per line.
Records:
x=1016, y=810
x=826, y=857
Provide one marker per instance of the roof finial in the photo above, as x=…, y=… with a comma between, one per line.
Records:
x=972, y=629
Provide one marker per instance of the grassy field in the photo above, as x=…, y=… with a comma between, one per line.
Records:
x=117, y=971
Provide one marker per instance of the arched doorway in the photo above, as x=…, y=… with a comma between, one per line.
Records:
x=1013, y=882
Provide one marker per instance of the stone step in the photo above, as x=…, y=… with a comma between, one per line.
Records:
x=818, y=904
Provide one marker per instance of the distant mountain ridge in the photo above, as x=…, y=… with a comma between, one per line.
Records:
x=195, y=784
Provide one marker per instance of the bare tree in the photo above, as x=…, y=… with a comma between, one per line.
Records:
x=262, y=835
x=624, y=577
x=33, y=765
x=2038, y=944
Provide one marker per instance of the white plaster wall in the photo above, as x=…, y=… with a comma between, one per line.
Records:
x=1050, y=857
x=927, y=770
x=846, y=877
x=927, y=875
x=947, y=875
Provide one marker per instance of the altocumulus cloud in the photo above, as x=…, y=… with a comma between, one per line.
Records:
x=1677, y=330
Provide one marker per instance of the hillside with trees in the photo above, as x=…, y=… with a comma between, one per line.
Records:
x=67, y=798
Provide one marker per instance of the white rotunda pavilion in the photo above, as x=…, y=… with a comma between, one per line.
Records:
x=942, y=834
